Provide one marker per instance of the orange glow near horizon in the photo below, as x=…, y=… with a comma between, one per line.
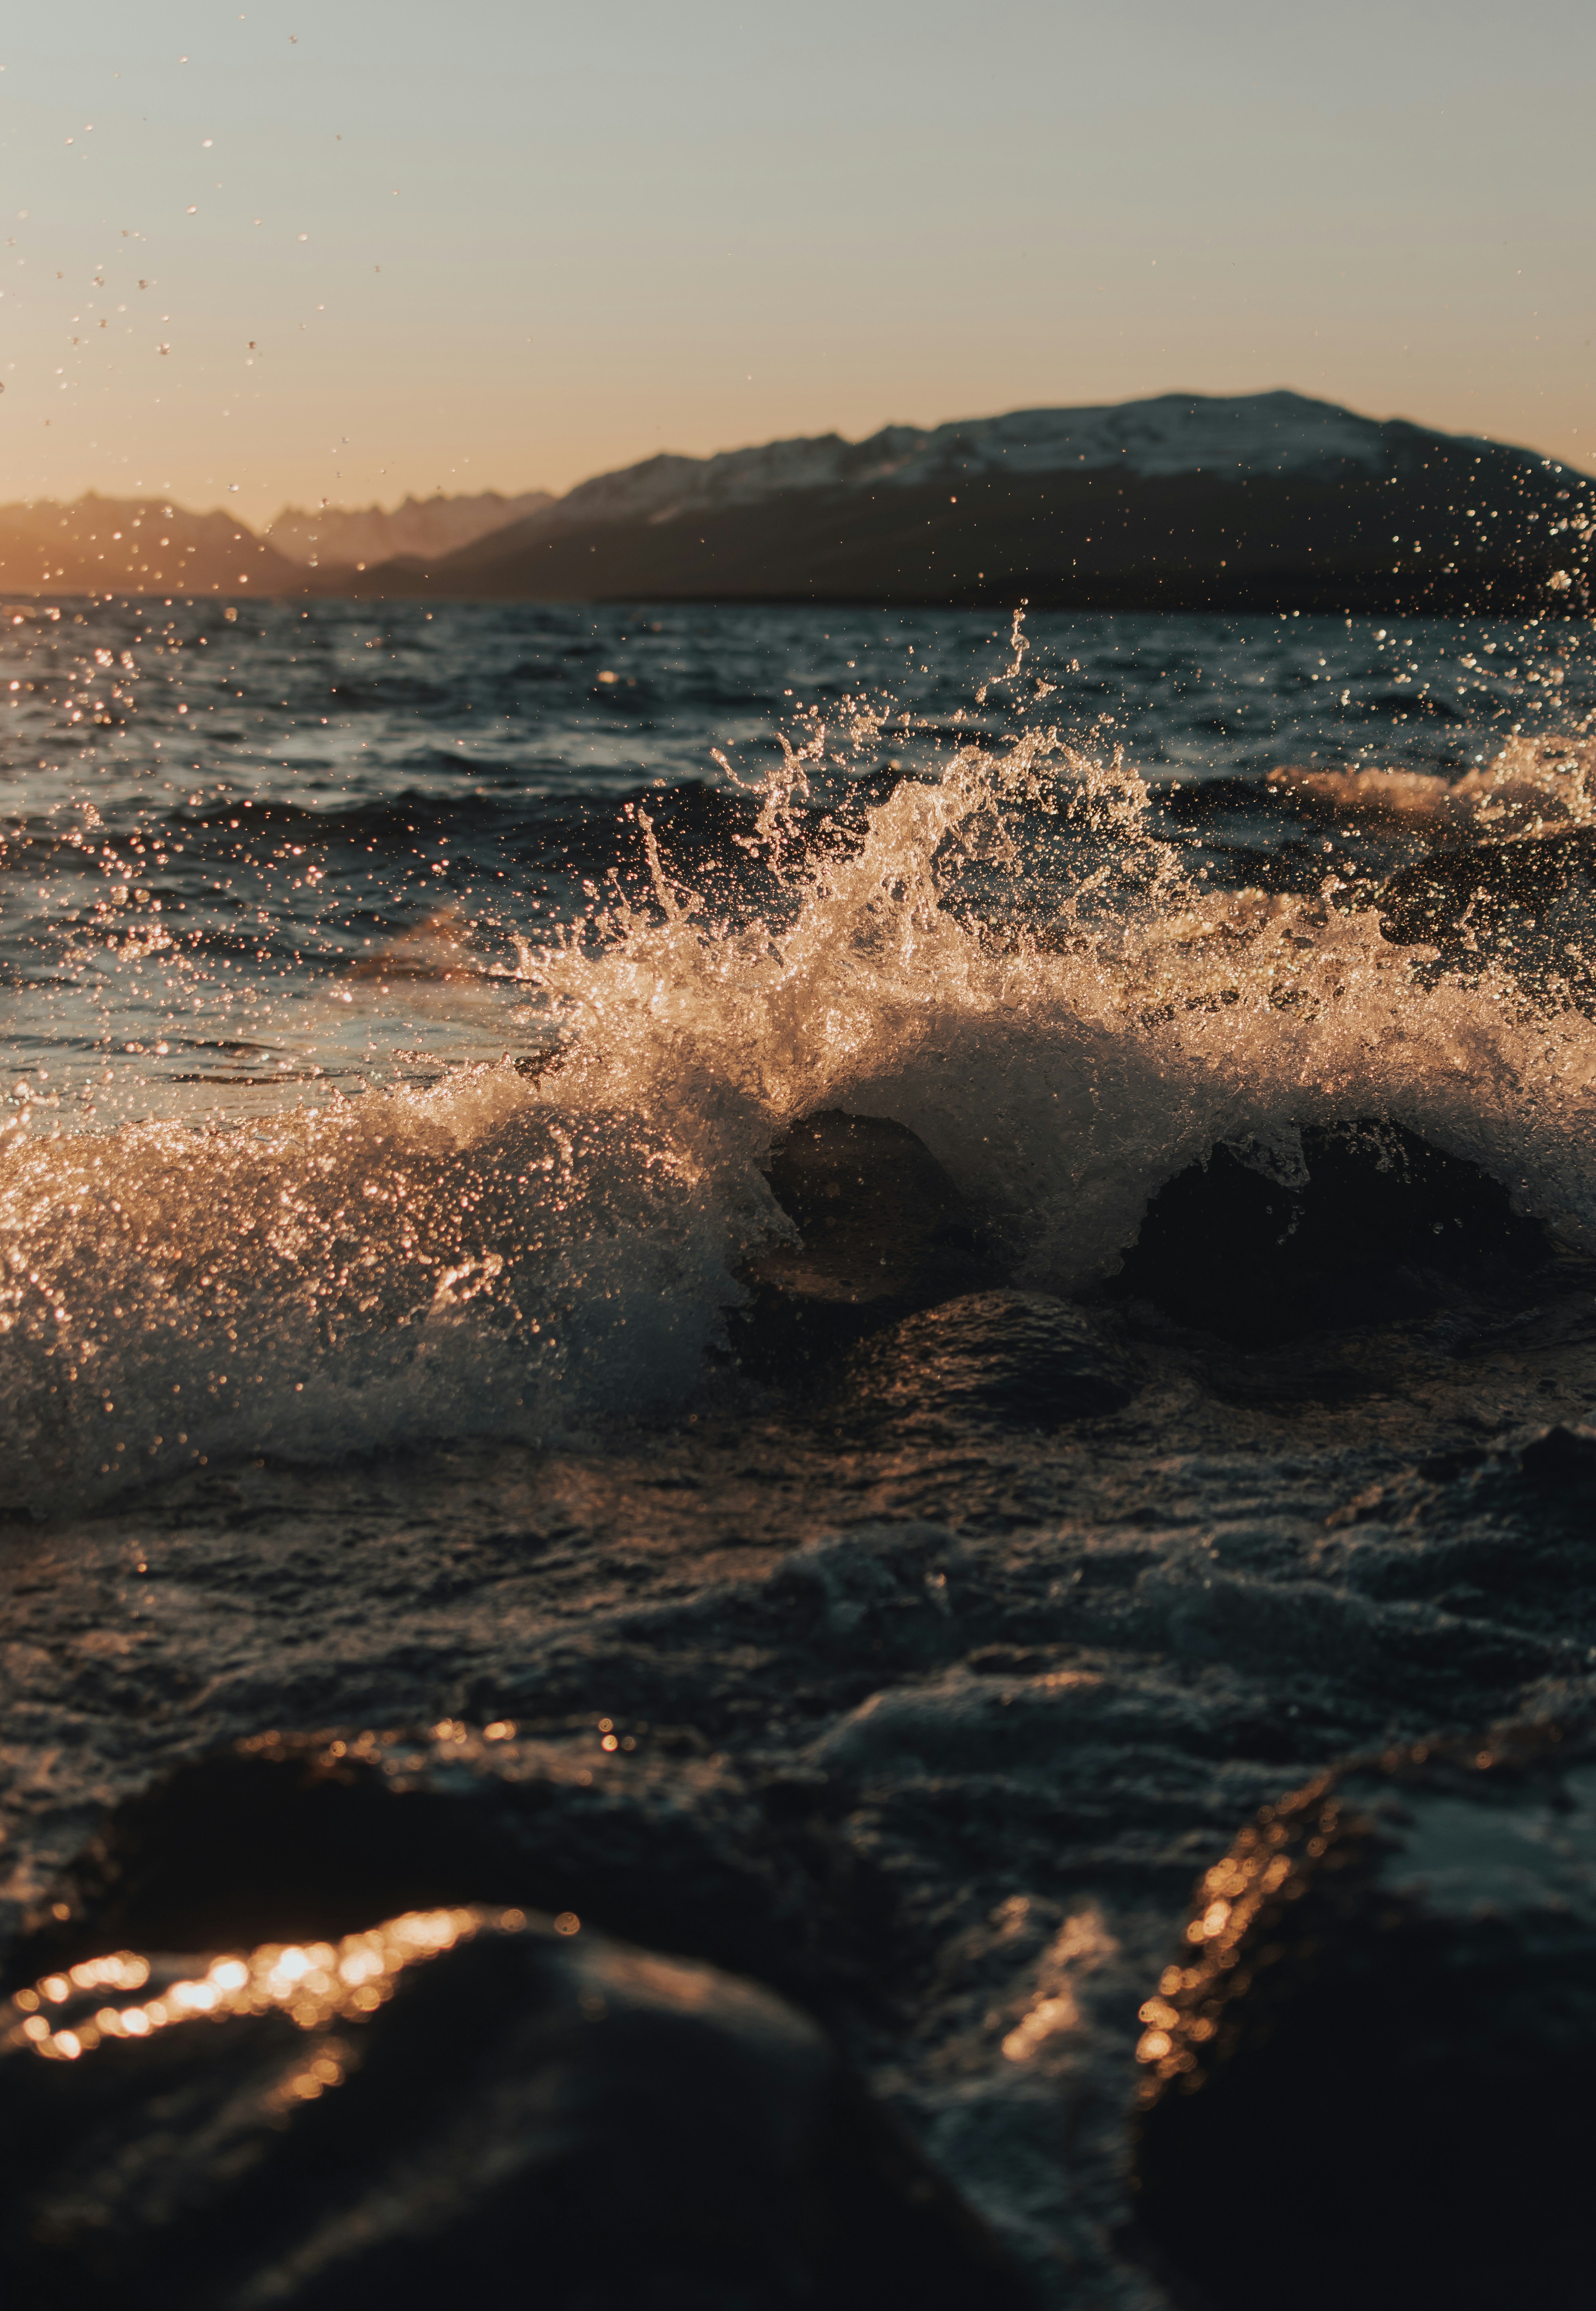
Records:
x=251, y=262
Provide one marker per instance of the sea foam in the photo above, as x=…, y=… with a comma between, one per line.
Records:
x=1010, y=960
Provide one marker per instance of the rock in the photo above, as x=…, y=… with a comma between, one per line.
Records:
x=302, y=1837
x=316, y=2073
x=1005, y=1358
x=1482, y=898
x=458, y=2105
x=1367, y=2072
x=884, y=1232
x=1326, y=1228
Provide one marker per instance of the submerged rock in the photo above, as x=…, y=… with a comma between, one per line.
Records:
x=1500, y=1534
x=455, y=2105
x=1461, y=894
x=1325, y=1228
x=1367, y=2073
x=1481, y=898
x=884, y=1232
x=1015, y=1359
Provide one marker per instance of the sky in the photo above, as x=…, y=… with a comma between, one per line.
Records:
x=349, y=250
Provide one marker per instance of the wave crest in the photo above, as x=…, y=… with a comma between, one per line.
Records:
x=1009, y=960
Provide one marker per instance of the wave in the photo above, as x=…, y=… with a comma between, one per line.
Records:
x=464, y=1260
x=1012, y=960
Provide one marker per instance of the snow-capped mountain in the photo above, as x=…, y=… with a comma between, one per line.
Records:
x=1176, y=433
x=1186, y=501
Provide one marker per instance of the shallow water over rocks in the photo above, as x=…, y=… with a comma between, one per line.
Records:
x=928, y=1722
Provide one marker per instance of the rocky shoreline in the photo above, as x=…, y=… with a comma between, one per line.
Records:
x=916, y=1677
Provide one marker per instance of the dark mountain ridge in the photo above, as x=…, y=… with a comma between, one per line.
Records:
x=134, y=545
x=1186, y=502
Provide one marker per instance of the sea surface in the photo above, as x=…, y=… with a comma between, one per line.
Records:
x=404, y=1015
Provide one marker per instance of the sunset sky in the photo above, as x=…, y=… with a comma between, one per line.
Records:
x=503, y=244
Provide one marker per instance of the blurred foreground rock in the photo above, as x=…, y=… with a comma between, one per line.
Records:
x=1368, y=2074
x=456, y=2104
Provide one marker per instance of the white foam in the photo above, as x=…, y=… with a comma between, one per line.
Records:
x=1535, y=786
x=495, y=1256
x=1062, y=1073
x=472, y=1259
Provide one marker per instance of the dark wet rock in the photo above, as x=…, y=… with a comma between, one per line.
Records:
x=1479, y=898
x=313, y=1836
x=884, y=1232
x=1507, y=1533
x=1015, y=1359
x=1328, y=1228
x=464, y=2105
x=536, y=2108
x=1274, y=866
x=1367, y=2069
x=1191, y=802
x=1314, y=799
x=1319, y=799
x=1560, y=1465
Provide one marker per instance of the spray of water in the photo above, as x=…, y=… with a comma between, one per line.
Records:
x=1006, y=958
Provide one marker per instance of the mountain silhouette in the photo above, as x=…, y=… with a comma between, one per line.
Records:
x=1187, y=501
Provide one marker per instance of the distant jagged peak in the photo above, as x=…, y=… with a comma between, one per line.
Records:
x=433, y=525
x=92, y=506
x=137, y=545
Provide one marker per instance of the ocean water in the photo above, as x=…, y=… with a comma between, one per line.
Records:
x=403, y=1012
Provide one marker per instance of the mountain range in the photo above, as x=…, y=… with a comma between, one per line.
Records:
x=341, y=535
x=1185, y=502
x=134, y=545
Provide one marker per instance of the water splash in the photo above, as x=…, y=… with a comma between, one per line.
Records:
x=1011, y=957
